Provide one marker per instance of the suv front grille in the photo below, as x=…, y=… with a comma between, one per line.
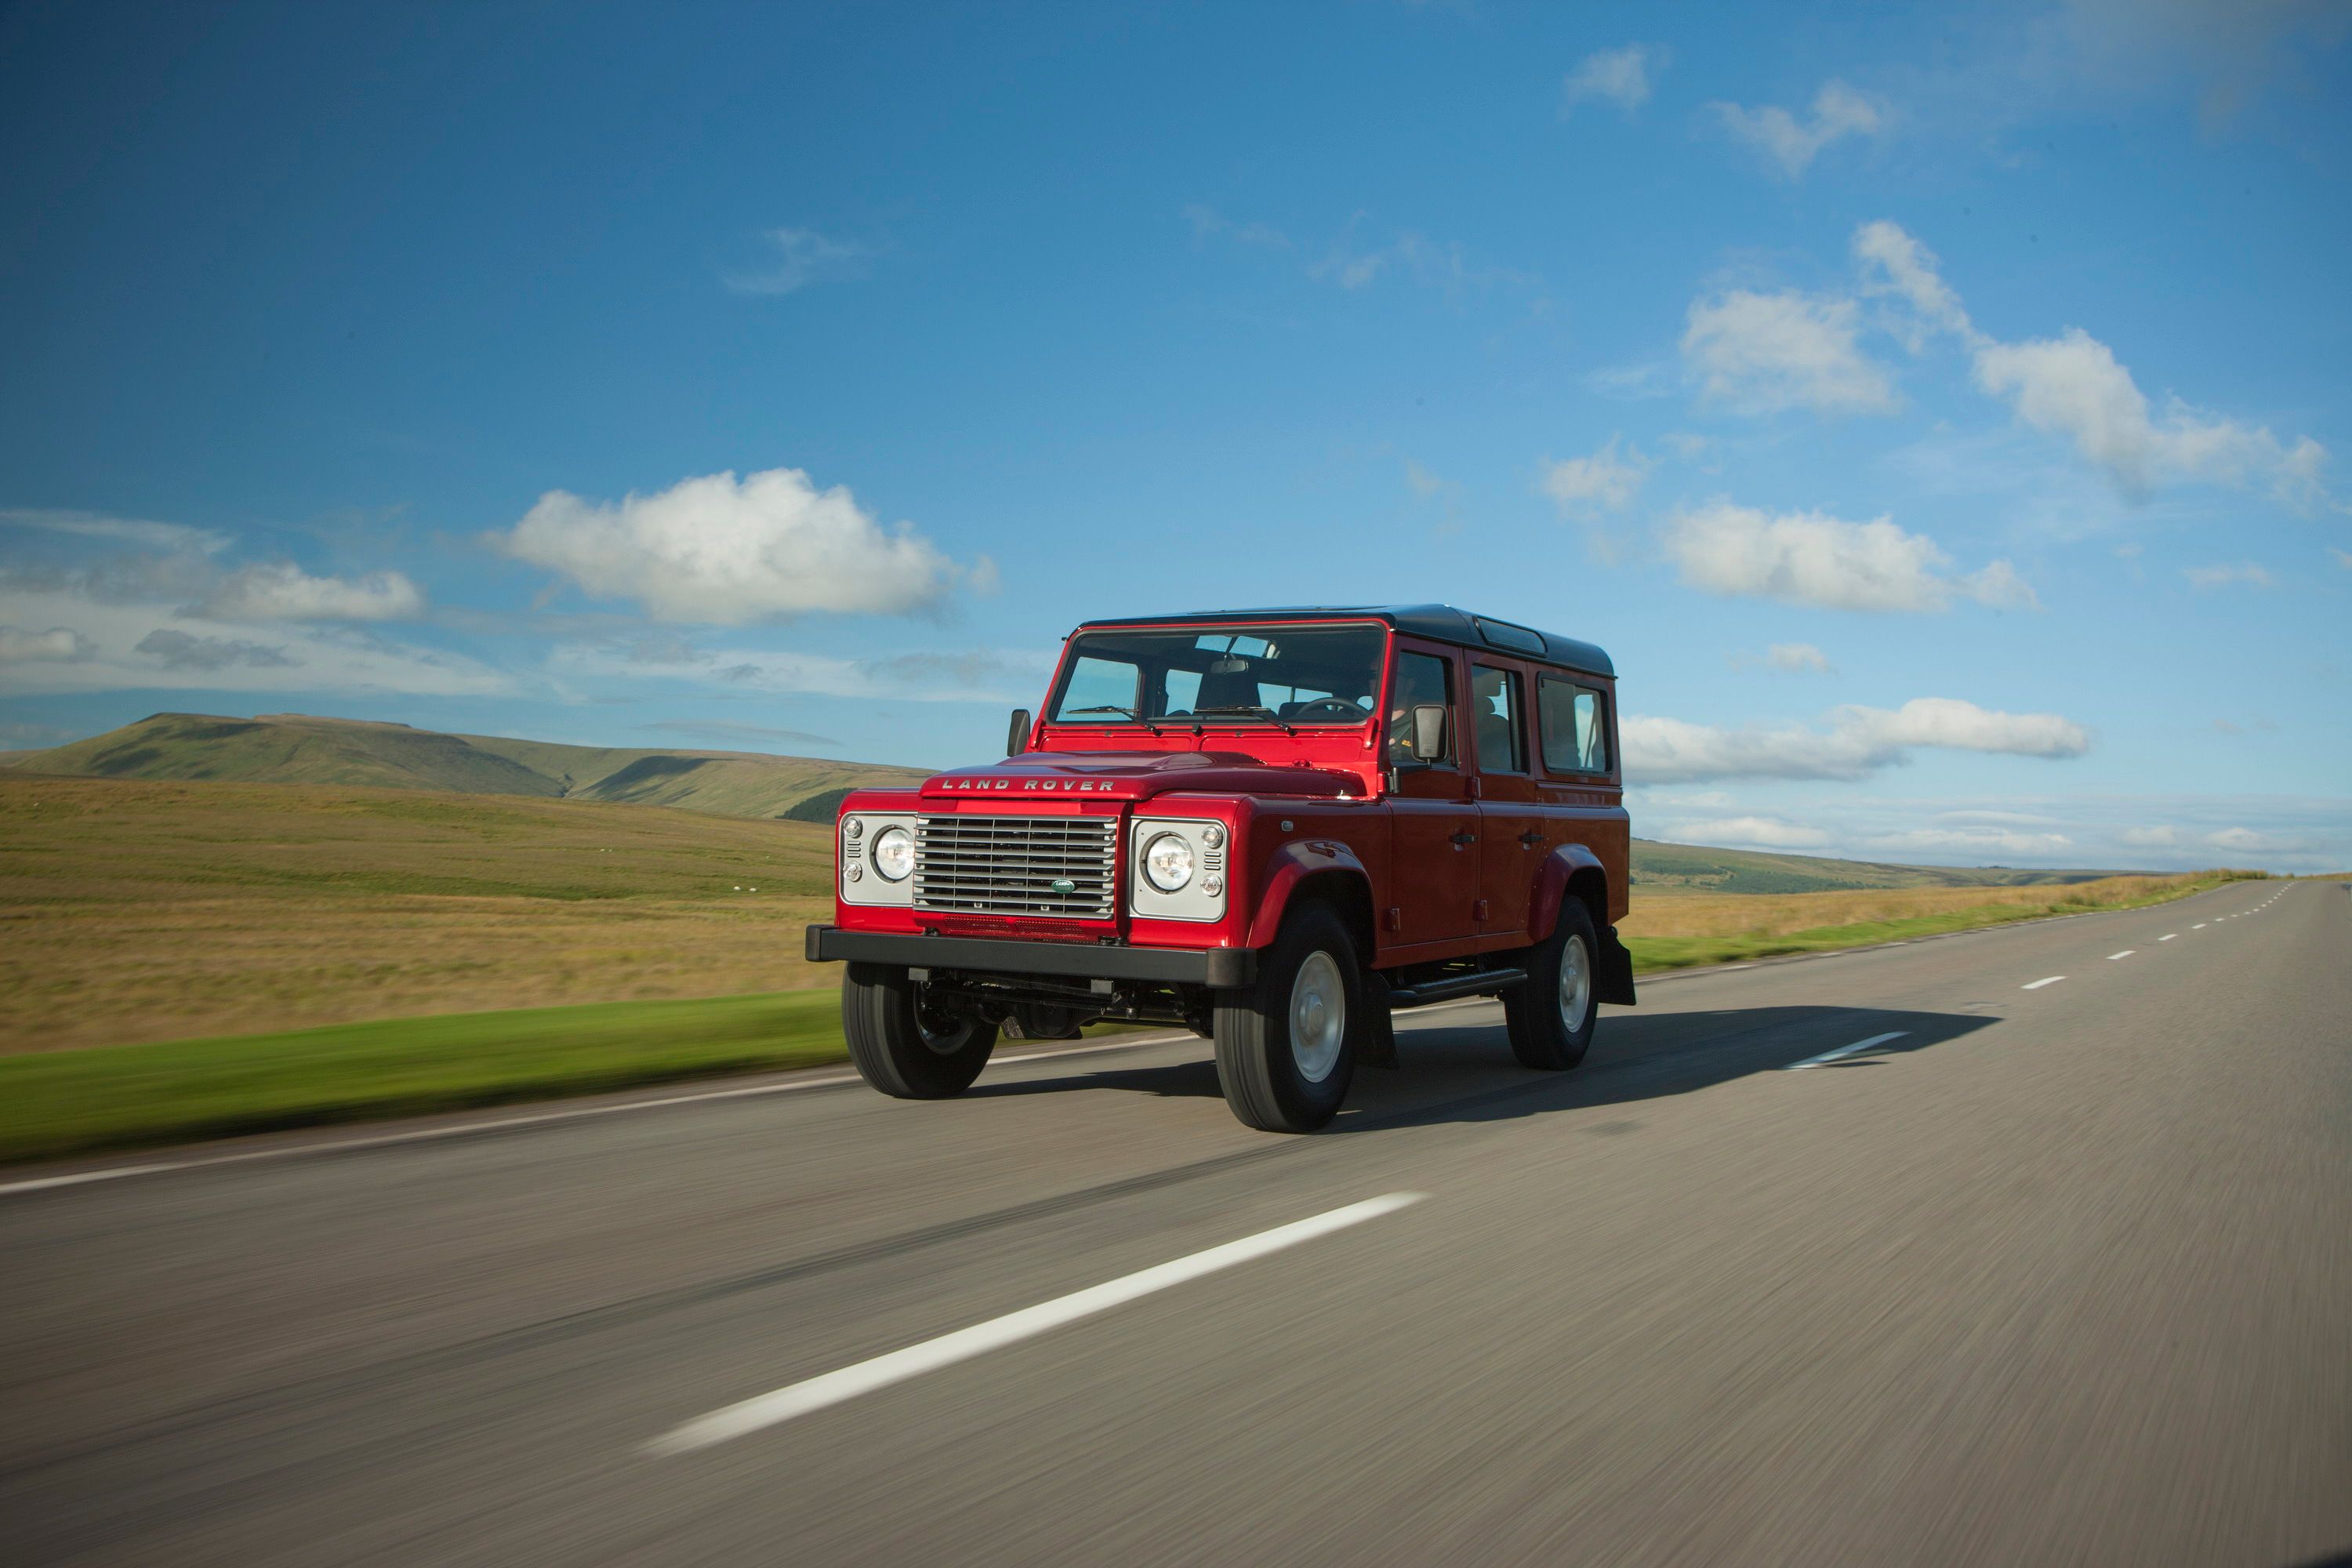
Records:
x=1009, y=865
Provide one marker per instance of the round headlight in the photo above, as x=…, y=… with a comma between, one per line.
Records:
x=894, y=853
x=1168, y=862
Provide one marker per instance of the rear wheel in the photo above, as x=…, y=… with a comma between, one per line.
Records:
x=1284, y=1045
x=1552, y=1016
x=903, y=1046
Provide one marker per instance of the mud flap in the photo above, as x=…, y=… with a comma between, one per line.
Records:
x=1375, y=1042
x=1614, y=983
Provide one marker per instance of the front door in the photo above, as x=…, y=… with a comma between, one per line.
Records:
x=1433, y=861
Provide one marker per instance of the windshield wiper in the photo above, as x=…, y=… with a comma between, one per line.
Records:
x=1252, y=711
x=1114, y=708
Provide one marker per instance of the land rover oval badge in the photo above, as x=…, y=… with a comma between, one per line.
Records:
x=1063, y=885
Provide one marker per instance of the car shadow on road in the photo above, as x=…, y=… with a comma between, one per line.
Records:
x=1464, y=1072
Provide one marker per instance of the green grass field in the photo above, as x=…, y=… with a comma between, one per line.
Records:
x=66, y=1102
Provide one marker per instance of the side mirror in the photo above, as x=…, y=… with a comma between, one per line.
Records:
x=1428, y=731
x=1016, y=735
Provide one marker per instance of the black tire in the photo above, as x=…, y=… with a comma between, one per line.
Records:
x=1546, y=1032
x=900, y=1047
x=1270, y=1079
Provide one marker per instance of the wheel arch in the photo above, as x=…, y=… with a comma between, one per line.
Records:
x=1323, y=871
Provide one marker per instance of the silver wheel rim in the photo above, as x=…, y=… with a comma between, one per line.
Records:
x=1575, y=986
x=1318, y=1016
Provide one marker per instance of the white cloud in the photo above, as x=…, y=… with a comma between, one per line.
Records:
x=1749, y=832
x=1760, y=354
x=1421, y=481
x=801, y=257
x=2159, y=836
x=179, y=650
x=1969, y=841
x=2343, y=557
x=713, y=551
x=132, y=646
x=1812, y=558
x=982, y=675
x=2222, y=576
x=2071, y=387
x=168, y=537
x=1892, y=262
x=1620, y=77
x=1600, y=481
x=1797, y=657
x=281, y=591
x=58, y=645
x=1792, y=144
x=1859, y=742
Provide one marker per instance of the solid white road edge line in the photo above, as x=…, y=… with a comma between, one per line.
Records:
x=2125, y=953
x=1845, y=1050
x=866, y=1376
x=2037, y=984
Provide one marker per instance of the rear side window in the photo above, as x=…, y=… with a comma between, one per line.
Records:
x=1575, y=737
x=1495, y=709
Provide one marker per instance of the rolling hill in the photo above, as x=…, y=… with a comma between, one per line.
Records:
x=301, y=749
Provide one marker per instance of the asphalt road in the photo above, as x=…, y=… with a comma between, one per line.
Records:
x=2053, y=1275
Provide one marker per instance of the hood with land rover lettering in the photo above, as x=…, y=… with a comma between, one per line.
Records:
x=1131, y=776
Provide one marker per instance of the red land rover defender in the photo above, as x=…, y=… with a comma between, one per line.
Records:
x=1272, y=826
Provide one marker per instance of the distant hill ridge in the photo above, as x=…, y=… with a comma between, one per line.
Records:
x=307, y=749
x=304, y=749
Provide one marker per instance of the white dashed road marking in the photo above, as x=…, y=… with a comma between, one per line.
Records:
x=1844, y=1051
x=2168, y=936
x=2037, y=984
x=2125, y=953
x=833, y=1387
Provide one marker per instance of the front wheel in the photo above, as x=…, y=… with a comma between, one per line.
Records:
x=1284, y=1054
x=1551, y=1018
x=904, y=1047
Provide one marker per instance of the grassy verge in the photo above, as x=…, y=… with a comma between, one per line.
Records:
x=57, y=1103
x=71, y=1102
x=1652, y=953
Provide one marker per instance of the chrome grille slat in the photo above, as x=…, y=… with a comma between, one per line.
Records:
x=1007, y=865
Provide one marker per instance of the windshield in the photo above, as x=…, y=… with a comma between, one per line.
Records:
x=1294, y=676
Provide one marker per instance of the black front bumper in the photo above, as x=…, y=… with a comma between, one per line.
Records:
x=1220, y=967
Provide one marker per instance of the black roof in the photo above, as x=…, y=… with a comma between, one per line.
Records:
x=1441, y=623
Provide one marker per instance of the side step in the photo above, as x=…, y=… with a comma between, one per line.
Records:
x=1446, y=987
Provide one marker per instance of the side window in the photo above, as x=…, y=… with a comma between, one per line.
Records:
x=1420, y=679
x=1100, y=683
x=1495, y=709
x=1575, y=738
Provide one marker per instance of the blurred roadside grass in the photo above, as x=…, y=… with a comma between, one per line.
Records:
x=1692, y=928
x=57, y=1103
x=54, y=1103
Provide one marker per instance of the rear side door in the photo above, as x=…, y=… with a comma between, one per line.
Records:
x=1512, y=834
x=1433, y=863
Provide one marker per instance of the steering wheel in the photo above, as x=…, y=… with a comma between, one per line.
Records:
x=1339, y=708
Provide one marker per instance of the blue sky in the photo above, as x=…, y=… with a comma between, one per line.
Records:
x=1940, y=415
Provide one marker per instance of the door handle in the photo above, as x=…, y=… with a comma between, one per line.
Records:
x=1465, y=838
x=1532, y=840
